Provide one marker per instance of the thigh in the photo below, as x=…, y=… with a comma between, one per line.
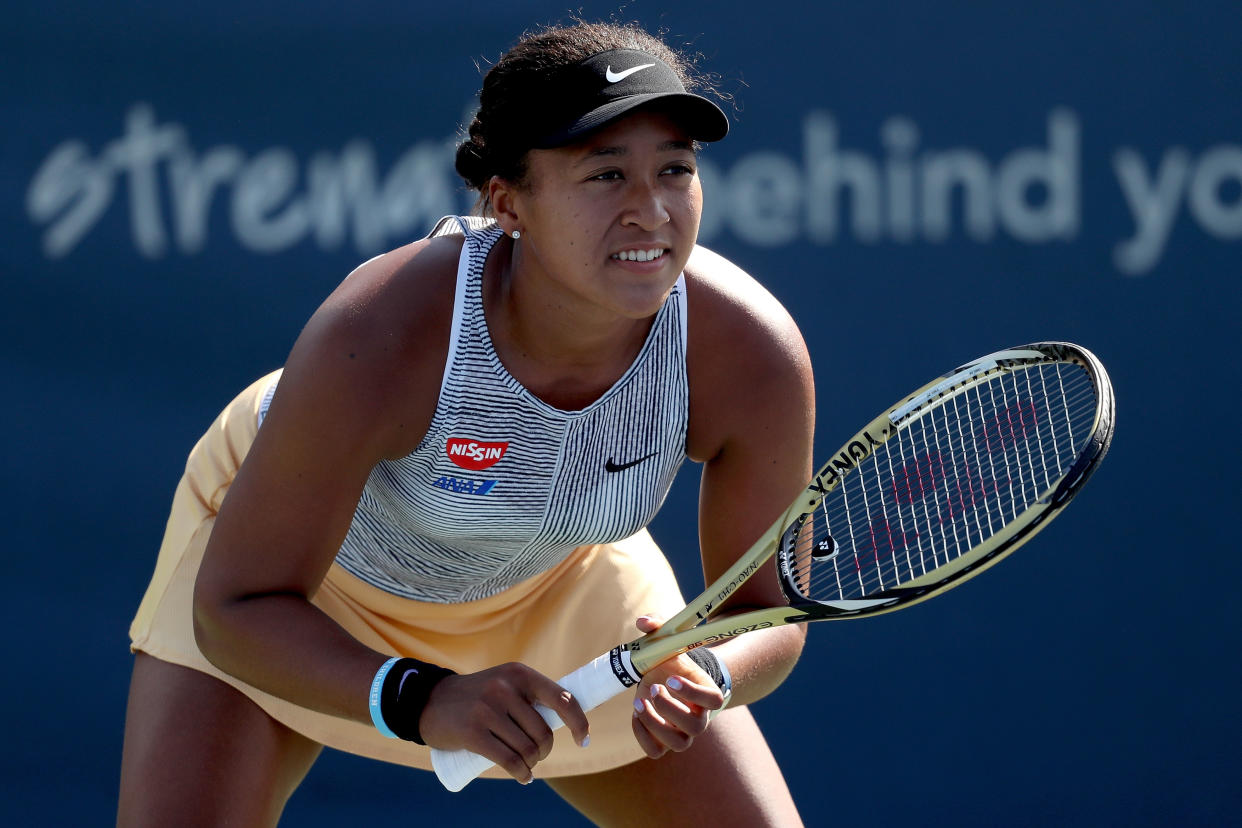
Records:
x=727, y=778
x=198, y=752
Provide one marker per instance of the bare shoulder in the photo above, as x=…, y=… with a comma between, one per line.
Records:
x=746, y=356
x=731, y=303
x=394, y=295
x=377, y=344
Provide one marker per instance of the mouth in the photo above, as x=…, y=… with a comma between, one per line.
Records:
x=640, y=255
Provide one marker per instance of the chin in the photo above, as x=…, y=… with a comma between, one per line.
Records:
x=643, y=306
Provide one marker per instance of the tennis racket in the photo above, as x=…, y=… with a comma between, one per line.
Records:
x=930, y=493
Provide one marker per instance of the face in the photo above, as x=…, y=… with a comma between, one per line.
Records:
x=608, y=223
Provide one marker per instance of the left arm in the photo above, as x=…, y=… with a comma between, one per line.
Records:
x=752, y=417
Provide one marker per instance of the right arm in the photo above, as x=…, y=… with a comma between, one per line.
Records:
x=359, y=386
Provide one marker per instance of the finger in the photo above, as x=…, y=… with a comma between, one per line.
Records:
x=493, y=744
x=661, y=729
x=683, y=722
x=648, y=742
x=649, y=623
x=695, y=694
x=533, y=725
x=511, y=748
x=551, y=695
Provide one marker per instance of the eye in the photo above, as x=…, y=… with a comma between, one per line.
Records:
x=607, y=175
x=680, y=168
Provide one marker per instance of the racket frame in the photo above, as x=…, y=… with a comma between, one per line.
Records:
x=696, y=624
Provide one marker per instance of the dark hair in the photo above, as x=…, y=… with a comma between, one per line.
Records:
x=498, y=137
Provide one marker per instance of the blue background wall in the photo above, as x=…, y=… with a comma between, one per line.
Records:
x=181, y=184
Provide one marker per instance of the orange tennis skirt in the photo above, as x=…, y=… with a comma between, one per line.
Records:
x=554, y=622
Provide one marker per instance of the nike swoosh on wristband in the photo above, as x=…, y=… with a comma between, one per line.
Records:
x=610, y=466
x=613, y=77
x=413, y=671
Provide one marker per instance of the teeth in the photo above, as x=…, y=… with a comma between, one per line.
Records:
x=640, y=255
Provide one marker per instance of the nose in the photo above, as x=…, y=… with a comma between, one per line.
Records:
x=645, y=207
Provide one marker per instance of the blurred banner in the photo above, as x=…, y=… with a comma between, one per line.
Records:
x=181, y=185
x=176, y=196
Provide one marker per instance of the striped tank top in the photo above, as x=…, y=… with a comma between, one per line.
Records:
x=503, y=486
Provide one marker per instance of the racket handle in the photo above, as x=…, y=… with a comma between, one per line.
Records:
x=592, y=685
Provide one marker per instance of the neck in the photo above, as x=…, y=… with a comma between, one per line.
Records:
x=564, y=352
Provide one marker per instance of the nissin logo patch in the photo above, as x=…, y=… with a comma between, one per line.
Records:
x=473, y=454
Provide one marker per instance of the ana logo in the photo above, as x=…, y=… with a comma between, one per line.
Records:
x=461, y=486
x=473, y=454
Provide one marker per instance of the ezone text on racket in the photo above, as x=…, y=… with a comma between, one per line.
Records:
x=722, y=636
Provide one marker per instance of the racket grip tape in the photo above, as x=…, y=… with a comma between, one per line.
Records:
x=592, y=685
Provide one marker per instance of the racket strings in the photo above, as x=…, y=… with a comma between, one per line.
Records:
x=947, y=481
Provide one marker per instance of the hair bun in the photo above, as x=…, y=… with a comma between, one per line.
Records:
x=471, y=162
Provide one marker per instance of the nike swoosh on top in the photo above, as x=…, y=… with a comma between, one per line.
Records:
x=613, y=77
x=610, y=466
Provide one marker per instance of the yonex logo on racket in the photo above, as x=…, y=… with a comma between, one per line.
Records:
x=849, y=458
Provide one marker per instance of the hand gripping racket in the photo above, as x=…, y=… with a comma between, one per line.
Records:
x=931, y=492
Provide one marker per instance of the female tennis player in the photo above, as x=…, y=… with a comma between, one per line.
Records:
x=440, y=501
